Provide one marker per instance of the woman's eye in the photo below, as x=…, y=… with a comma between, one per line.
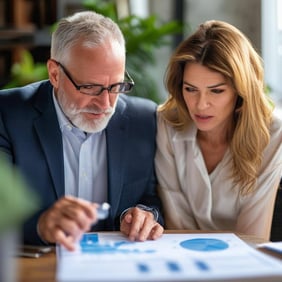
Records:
x=190, y=89
x=217, y=91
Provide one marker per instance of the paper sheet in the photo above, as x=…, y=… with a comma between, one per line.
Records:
x=173, y=257
x=273, y=246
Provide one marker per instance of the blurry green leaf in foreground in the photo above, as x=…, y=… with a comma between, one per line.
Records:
x=16, y=200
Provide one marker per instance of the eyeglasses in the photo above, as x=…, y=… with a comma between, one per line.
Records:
x=97, y=89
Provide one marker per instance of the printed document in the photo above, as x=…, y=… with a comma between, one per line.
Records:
x=173, y=257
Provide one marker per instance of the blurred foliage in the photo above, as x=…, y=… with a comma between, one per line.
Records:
x=144, y=36
x=16, y=201
x=26, y=71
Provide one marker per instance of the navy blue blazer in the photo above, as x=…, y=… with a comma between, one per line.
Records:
x=31, y=139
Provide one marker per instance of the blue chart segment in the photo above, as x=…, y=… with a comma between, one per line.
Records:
x=90, y=243
x=204, y=244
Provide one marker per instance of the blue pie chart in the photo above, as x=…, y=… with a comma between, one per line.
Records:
x=204, y=244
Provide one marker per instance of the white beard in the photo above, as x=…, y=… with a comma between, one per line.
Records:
x=79, y=120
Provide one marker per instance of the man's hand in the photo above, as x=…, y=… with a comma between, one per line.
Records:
x=66, y=221
x=140, y=225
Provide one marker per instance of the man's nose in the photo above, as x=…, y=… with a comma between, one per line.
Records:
x=103, y=100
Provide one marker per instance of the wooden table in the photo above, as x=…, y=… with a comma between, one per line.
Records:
x=43, y=269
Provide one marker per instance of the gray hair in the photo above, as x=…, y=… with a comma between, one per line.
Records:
x=86, y=28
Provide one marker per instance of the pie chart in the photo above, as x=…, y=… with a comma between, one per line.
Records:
x=204, y=244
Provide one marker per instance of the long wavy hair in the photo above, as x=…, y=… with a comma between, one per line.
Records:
x=223, y=48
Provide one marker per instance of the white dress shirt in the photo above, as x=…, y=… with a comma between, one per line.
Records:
x=85, y=161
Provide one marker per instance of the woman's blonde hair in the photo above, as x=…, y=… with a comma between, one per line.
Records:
x=223, y=48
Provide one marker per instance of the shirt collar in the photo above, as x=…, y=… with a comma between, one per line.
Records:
x=188, y=134
x=62, y=119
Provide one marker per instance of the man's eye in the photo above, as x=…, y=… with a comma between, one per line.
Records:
x=87, y=87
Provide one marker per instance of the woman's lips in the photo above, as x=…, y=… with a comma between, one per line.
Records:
x=203, y=118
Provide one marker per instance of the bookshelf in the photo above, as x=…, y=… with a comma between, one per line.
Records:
x=24, y=24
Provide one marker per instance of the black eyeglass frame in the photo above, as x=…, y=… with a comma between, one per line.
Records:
x=122, y=87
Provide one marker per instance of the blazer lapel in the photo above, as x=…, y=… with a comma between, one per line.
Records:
x=116, y=133
x=49, y=134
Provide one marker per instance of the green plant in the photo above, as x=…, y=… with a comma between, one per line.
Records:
x=26, y=71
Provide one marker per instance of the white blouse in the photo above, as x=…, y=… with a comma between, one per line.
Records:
x=195, y=200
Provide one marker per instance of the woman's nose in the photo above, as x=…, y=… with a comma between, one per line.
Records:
x=203, y=101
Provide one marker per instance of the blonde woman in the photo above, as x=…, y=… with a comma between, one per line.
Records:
x=219, y=155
